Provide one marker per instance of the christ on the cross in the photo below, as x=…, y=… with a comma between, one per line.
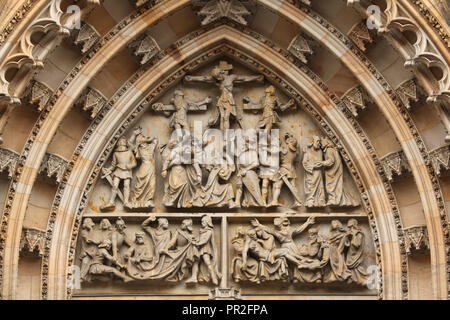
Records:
x=226, y=105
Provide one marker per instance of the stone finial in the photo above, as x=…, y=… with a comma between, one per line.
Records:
x=440, y=159
x=54, y=165
x=213, y=10
x=92, y=100
x=408, y=91
x=145, y=47
x=360, y=35
x=395, y=162
x=416, y=239
x=38, y=93
x=225, y=294
x=87, y=37
x=32, y=242
x=355, y=99
x=300, y=48
x=8, y=160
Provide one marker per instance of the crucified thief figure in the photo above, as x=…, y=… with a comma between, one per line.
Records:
x=226, y=105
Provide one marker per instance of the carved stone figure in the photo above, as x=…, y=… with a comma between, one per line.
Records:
x=119, y=238
x=248, y=193
x=268, y=169
x=106, y=230
x=207, y=254
x=88, y=247
x=145, y=185
x=161, y=237
x=183, y=245
x=250, y=273
x=334, y=177
x=120, y=170
x=271, y=263
x=181, y=107
x=286, y=174
x=312, y=250
x=269, y=104
x=183, y=180
x=215, y=193
x=139, y=256
x=253, y=245
x=226, y=105
x=313, y=163
x=99, y=265
x=285, y=234
x=354, y=257
x=337, y=270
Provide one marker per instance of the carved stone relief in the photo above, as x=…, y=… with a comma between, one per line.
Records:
x=213, y=10
x=54, y=166
x=417, y=240
x=207, y=156
x=301, y=48
x=8, y=160
x=272, y=253
x=32, y=242
x=157, y=251
x=395, y=163
x=177, y=163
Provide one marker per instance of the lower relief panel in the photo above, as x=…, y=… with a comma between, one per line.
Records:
x=226, y=256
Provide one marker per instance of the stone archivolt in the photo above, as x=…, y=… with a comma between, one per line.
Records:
x=213, y=183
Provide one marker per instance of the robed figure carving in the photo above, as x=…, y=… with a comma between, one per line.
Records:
x=313, y=163
x=355, y=242
x=338, y=270
x=334, y=177
x=226, y=104
x=145, y=185
x=182, y=180
x=218, y=191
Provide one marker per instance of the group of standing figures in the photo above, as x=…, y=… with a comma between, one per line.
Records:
x=169, y=255
x=227, y=181
x=336, y=258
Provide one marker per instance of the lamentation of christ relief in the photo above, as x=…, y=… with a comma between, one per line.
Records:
x=226, y=104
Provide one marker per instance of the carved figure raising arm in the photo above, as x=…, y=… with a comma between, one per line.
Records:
x=226, y=105
x=161, y=237
x=144, y=149
x=269, y=104
x=181, y=106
